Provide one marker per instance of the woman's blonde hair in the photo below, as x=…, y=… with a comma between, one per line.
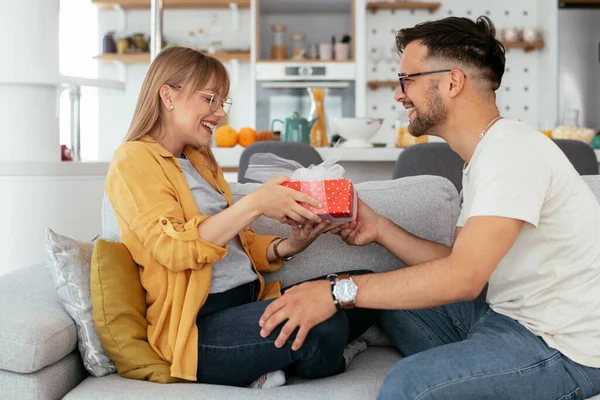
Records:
x=179, y=67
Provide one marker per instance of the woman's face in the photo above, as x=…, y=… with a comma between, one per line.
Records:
x=194, y=118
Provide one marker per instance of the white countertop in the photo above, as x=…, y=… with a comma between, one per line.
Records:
x=226, y=157
x=230, y=157
x=57, y=168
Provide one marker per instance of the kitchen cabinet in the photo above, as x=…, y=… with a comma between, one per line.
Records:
x=323, y=25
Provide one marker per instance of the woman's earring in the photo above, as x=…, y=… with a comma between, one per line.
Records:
x=172, y=107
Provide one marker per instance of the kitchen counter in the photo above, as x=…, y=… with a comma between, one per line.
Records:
x=230, y=157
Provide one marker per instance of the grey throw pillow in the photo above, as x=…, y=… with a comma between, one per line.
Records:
x=70, y=261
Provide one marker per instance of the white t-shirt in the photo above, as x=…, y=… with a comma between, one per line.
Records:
x=549, y=280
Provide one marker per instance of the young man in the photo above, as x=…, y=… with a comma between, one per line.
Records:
x=529, y=227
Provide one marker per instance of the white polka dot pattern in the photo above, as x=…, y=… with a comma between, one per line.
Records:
x=337, y=196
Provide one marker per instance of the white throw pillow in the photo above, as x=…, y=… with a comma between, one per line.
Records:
x=70, y=261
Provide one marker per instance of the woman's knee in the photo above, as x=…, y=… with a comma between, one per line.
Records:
x=329, y=337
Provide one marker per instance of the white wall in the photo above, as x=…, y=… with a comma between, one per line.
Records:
x=65, y=202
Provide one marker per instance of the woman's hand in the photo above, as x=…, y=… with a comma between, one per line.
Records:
x=281, y=203
x=303, y=235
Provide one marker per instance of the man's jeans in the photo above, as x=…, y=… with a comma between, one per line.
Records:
x=467, y=351
x=232, y=352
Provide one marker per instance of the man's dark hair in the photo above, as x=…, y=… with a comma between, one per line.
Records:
x=471, y=43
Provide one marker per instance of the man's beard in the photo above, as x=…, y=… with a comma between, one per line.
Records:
x=425, y=123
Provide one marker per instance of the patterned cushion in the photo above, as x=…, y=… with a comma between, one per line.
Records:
x=70, y=261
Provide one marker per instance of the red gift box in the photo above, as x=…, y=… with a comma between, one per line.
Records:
x=338, y=197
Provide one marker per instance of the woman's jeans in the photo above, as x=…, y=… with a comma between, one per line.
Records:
x=232, y=352
x=467, y=351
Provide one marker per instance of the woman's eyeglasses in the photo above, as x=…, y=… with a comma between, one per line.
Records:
x=214, y=101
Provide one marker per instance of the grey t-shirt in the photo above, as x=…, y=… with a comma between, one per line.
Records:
x=235, y=269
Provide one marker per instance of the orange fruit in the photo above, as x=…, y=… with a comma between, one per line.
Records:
x=226, y=136
x=246, y=136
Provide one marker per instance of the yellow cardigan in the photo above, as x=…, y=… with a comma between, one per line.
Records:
x=158, y=218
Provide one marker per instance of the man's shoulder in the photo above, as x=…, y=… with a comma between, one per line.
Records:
x=514, y=139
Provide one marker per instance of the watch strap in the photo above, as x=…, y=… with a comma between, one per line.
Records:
x=332, y=279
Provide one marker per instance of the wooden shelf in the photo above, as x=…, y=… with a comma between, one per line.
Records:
x=290, y=61
x=144, y=58
x=181, y=4
x=128, y=59
x=404, y=5
x=373, y=85
x=579, y=3
x=527, y=46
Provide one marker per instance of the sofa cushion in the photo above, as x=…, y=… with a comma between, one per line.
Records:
x=36, y=330
x=119, y=304
x=362, y=380
x=426, y=206
x=49, y=383
x=70, y=261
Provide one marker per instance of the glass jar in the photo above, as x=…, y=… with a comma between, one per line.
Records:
x=298, y=46
x=403, y=137
x=278, y=49
x=570, y=118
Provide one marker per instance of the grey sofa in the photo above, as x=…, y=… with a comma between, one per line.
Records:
x=38, y=349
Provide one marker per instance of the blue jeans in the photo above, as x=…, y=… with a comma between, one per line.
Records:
x=467, y=351
x=232, y=352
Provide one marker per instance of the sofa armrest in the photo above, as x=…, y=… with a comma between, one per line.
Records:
x=37, y=331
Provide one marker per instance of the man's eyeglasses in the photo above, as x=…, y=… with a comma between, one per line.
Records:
x=402, y=77
x=214, y=101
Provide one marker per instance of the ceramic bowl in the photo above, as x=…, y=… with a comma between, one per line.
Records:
x=357, y=131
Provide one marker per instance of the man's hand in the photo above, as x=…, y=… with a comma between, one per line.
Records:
x=303, y=306
x=362, y=231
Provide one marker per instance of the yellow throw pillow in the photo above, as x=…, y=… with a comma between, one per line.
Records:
x=119, y=306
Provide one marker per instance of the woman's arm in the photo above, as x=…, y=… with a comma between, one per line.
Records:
x=146, y=202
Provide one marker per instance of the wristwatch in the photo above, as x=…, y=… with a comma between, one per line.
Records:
x=343, y=291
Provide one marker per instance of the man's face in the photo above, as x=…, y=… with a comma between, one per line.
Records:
x=421, y=96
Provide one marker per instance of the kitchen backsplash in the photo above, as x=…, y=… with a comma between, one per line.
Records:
x=526, y=72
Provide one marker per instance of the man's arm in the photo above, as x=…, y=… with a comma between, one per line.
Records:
x=407, y=247
x=459, y=276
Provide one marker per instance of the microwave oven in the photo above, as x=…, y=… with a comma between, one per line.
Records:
x=284, y=88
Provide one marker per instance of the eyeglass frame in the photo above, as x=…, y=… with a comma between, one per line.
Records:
x=228, y=100
x=401, y=77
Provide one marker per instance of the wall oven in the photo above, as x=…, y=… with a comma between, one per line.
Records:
x=284, y=88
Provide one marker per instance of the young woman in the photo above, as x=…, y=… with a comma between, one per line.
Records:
x=199, y=261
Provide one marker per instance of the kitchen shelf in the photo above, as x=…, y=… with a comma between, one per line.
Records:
x=579, y=3
x=404, y=5
x=181, y=4
x=527, y=46
x=144, y=58
x=291, y=61
x=373, y=85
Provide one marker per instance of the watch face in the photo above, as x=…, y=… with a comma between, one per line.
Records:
x=345, y=290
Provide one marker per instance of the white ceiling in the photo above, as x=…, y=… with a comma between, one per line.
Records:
x=304, y=6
